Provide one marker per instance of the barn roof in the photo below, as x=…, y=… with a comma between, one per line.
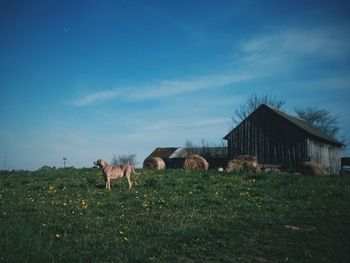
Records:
x=299, y=123
x=163, y=153
x=183, y=152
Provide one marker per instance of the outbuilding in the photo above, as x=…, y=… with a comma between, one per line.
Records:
x=174, y=157
x=276, y=138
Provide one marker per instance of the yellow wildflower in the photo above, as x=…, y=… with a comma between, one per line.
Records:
x=85, y=204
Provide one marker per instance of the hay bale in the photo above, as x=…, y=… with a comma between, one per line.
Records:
x=243, y=163
x=247, y=158
x=155, y=163
x=196, y=162
x=310, y=168
x=234, y=166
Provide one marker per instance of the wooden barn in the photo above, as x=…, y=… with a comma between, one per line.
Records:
x=277, y=138
x=174, y=157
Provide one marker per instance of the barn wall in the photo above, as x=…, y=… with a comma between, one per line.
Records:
x=174, y=163
x=270, y=138
x=326, y=155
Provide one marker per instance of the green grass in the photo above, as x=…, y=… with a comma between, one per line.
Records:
x=65, y=215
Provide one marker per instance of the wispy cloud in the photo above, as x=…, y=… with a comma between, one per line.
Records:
x=175, y=87
x=293, y=43
x=95, y=97
x=263, y=55
x=325, y=83
x=165, y=88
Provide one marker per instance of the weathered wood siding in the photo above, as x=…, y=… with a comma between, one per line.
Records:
x=174, y=163
x=270, y=138
x=326, y=155
x=274, y=140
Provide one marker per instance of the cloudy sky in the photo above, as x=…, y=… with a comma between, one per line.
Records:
x=89, y=79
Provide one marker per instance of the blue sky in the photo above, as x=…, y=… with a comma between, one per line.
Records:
x=89, y=79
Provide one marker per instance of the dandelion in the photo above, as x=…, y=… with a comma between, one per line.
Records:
x=85, y=204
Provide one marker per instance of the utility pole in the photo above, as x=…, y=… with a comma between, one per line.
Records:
x=64, y=162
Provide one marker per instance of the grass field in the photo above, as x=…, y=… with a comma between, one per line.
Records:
x=65, y=215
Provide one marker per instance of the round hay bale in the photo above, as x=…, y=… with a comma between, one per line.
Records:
x=196, y=162
x=234, y=166
x=243, y=163
x=310, y=168
x=155, y=163
x=248, y=158
x=252, y=167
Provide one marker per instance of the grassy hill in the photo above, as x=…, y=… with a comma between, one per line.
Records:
x=175, y=216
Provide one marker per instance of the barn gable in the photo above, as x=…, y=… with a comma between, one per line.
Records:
x=311, y=130
x=277, y=138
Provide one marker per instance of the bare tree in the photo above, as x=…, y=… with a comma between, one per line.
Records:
x=124, y=158
x=319, y=118
x=189, y=143
x=206, y=148
x=252, y=103
x=190, y=147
